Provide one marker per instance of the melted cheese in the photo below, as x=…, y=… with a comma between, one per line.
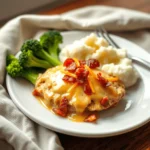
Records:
x=80, y=100
x=74, y=92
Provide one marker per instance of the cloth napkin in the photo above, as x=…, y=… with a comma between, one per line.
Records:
x=17, y=131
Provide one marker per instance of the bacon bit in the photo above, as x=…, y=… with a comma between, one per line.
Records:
x=70, y=65
x=59, y=112
x=82, y=73
x=67, y=62
x=36, y=92
x=63, y=105
x=92, y=63
x=102, y=80
x=87, y=89
x=63, y=108
x=69, y=79
x=104, y=101
x=90, y=118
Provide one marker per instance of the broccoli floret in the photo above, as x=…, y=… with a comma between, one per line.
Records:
x=50, y=42
x=14, y=69
x=10, y=58
x=27, y=59
x=38, y=51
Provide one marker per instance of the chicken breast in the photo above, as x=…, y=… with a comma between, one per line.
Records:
x=114, y=94
x=100, y=90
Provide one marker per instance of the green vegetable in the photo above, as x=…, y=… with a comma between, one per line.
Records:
x=14, y=69
x=38, y=51
x=50, y=42
x=9, y=59
x=27, y=59
x=43, y=54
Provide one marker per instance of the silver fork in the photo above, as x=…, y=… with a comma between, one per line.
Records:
x=103, y=33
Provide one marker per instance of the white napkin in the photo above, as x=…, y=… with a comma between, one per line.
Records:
x=17, y=129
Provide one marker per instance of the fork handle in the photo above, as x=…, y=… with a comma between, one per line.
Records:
x=142, y=61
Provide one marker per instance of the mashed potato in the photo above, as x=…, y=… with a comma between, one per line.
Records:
x=113, y=61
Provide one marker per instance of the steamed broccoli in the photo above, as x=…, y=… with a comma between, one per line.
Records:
x=38, y=51
x=43, y=54
x=50, y=42
x=27, y=59
x=9, y=59
x=14, y=69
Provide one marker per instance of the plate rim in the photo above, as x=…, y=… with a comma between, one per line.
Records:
x=74, y=133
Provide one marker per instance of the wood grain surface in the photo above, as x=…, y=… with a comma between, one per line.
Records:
x=138, y=139
x=140, y=5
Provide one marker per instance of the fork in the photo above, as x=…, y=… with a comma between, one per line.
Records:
x=103, y=33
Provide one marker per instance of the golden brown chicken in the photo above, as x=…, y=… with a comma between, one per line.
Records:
x=77, y=87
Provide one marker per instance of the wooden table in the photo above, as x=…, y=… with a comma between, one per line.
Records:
x=136, y=140
x=140, y=5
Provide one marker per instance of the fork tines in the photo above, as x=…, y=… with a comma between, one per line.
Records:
x=101, y=32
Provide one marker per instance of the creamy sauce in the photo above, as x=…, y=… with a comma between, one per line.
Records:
x=80, y=117
x=42, y=101
x=77, y=97
x=52, y=88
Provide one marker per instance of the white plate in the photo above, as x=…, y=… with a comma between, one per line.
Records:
x=129, y=114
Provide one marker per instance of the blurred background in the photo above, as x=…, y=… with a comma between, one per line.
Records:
x=12, y=8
